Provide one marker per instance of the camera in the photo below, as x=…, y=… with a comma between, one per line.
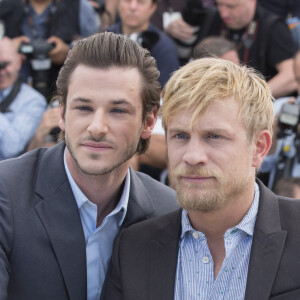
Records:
x=193, y=13
x=289, y=118
x=3, y=64
x=101, y=6
x=37, y=51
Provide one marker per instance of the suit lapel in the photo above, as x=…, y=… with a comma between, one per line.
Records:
x=267, y=247
x=163, y=260
x=140, y=204
x=60, y=216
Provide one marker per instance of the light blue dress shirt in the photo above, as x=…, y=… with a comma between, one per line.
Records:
x=18, y=125
x=195, y=267
x=99, y=241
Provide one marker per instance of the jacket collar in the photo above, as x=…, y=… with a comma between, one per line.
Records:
x=267, y=247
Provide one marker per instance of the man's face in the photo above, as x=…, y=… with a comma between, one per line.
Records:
x=236, y=14
x=135, y=14
x=103, y=119
x=211, y=164
x=11, y=59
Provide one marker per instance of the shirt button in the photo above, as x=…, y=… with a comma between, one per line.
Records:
x=195, y=235
x=205, y=259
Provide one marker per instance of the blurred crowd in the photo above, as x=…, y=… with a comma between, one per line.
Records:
x=36, y=35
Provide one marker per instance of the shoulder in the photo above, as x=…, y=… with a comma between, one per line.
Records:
x=274, y=208
x=289, y=211
x=163, y=37
x=29, y=94
x=154, y=187
x=168, y=224
x=16, y=168
x=115, y=28
x=150, y=193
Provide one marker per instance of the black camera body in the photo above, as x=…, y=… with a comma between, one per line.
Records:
x=101, y=8
x=37, y=52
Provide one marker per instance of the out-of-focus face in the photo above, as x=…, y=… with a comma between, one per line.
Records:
x=103, y=120
x=135, y=14
x=211, y=164
x=236, y=14
x=231, y=56
x=9, y=57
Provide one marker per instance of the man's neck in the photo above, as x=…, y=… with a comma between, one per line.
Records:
x=129, y=30
x=215, y=224
x=103, y=190
x=40, y=6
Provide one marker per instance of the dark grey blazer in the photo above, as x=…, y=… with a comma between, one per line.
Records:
x=42, y=244
x=145, y=255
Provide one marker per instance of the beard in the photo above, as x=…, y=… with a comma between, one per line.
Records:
x=127, y=154
x=212, y=194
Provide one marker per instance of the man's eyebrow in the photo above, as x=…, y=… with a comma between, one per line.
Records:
x=80, y=99
x=177, y=129
x=120, y=101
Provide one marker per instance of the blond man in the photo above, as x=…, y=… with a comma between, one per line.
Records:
x=233, y=238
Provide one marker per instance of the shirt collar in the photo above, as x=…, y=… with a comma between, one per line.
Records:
x=5, y=93
x=246, y=225
x=81, y=199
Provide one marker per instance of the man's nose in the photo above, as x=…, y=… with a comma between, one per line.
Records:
x=98, y=125
x=224, y=12
x=133, y=4
x=196, y=153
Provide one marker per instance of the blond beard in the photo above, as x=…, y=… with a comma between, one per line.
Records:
x=220, y=190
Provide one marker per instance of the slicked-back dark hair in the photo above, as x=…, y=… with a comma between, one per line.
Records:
x=106, y=50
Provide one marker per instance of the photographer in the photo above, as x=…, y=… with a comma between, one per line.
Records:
x=21, y=107
x=263, y=40
x=47, y=132
x=58, y=22
x=135, y=23
x=283, y=159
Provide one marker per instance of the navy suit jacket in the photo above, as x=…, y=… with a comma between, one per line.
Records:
x=42, y=244
x=144, y=259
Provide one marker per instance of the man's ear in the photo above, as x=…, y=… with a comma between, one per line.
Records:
x=262, y=144
x=149, y=123
x=61, y=123
x=153, y=8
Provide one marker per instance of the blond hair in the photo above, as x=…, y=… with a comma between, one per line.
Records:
x=205, y=80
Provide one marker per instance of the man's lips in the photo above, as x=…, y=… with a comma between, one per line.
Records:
x=97, y=146
x=196, y=178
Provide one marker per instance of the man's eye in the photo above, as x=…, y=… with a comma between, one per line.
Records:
x=118, y=110
x=214, y=136
x=180, y=136
x=84, y=108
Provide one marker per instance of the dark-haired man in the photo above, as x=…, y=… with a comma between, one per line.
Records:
x=58, y=226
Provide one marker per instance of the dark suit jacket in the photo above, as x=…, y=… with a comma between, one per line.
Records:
x=144, y=259
x=42, y=244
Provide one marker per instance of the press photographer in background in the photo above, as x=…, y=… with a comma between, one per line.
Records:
x=48, y=130
x=106, y=12
x=135, y=23
x=21, y=107
x=263, y=39
x=57, y=23
x=283, y=159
